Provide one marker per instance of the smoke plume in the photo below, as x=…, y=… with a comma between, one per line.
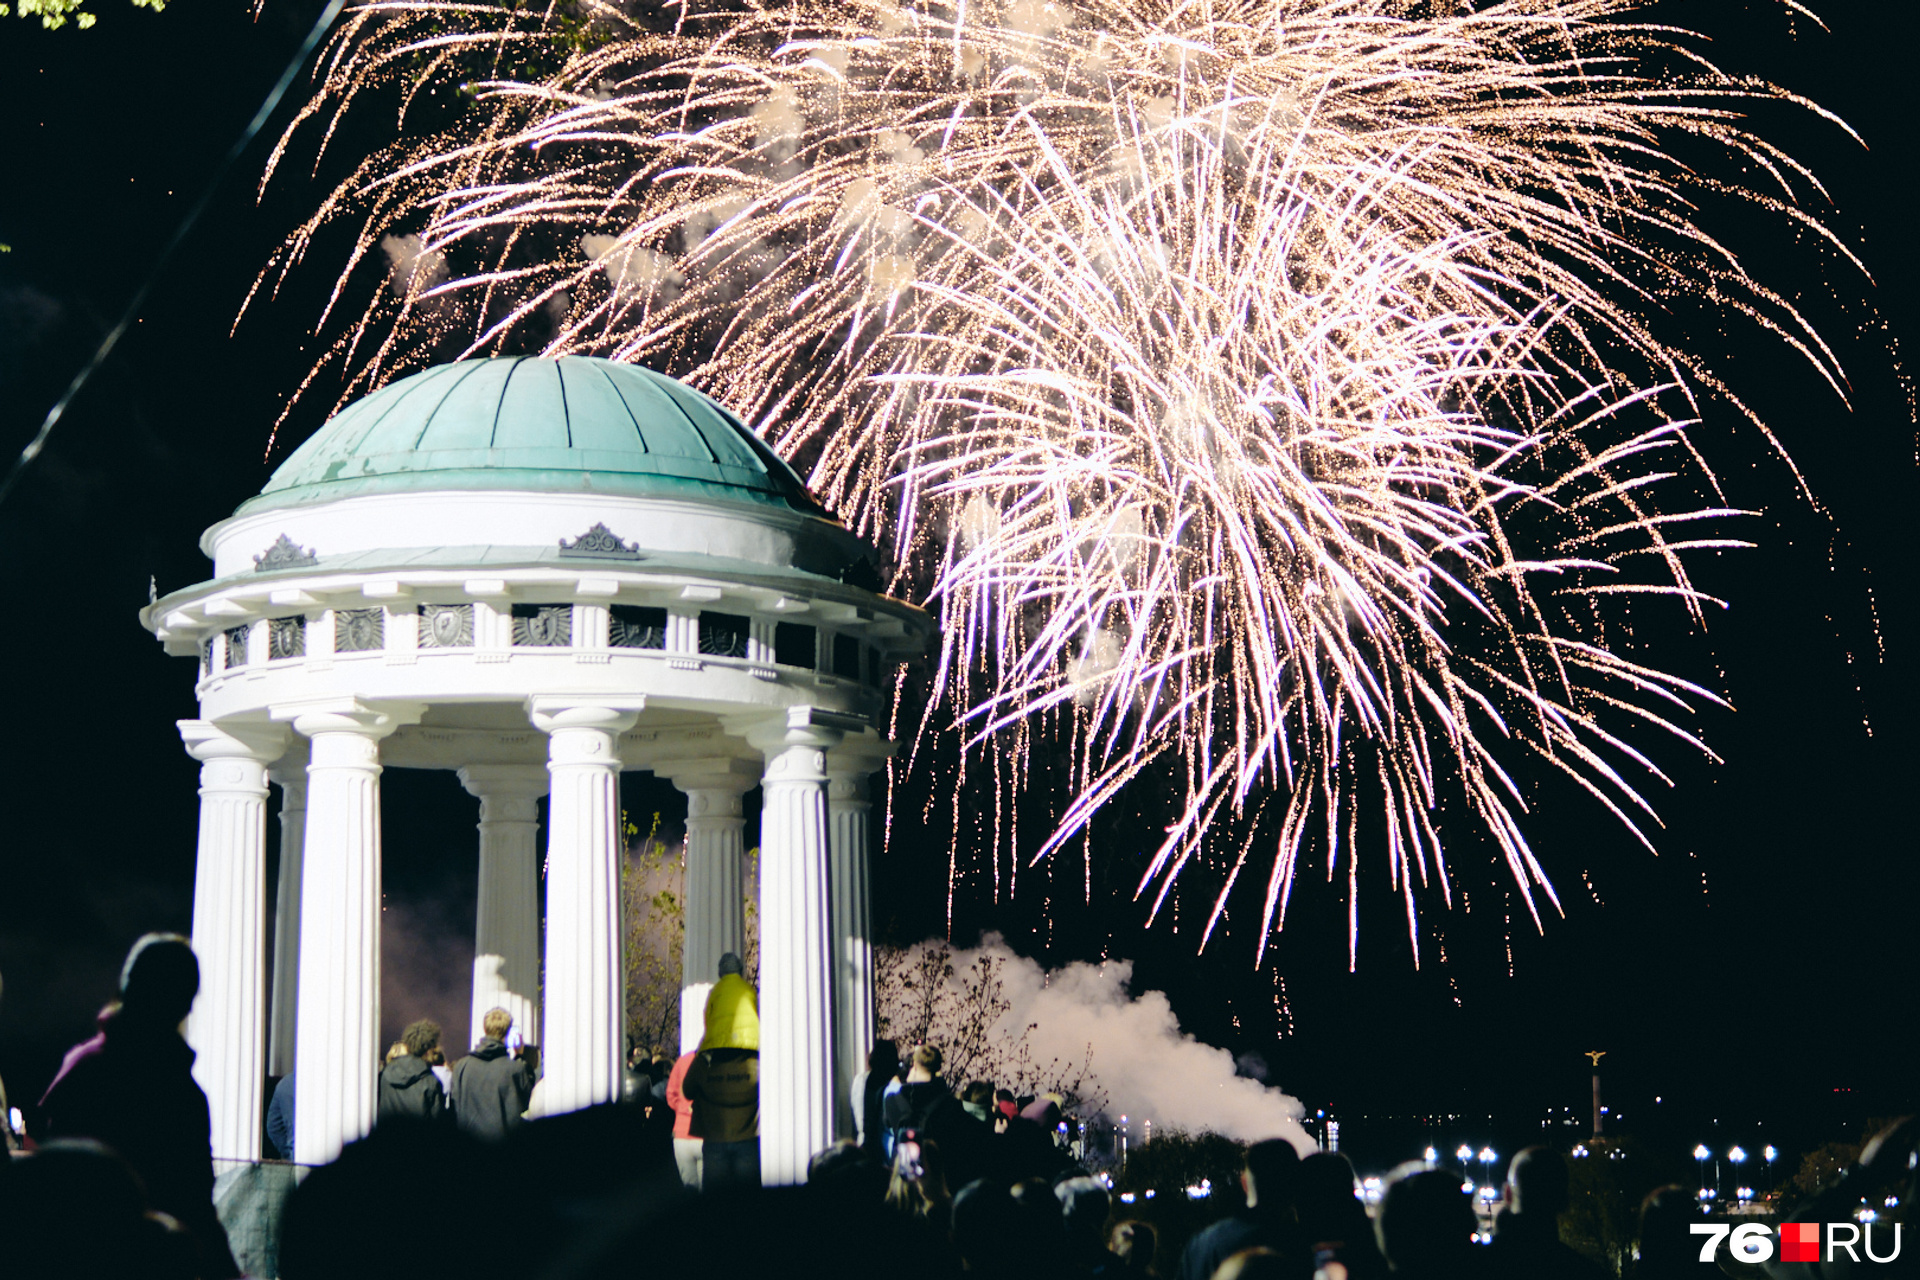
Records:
x=1149, y=1068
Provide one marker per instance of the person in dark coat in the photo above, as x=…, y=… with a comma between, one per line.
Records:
x=869, y=1096
x=1266, y=1223
x=280, y=1118
x=131, y=1087
x=1027, y=1148
x=491, y=1087
x=408, y=1086
x=1333, y=1222
x=926, y=1106
x=1526, y=1233
x=1426, y=1227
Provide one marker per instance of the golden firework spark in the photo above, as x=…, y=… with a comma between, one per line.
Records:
x=1271, y=394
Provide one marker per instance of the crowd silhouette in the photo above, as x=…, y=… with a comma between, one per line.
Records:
x=940, y=1179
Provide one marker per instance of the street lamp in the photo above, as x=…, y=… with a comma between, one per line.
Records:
x=1772, y=1153
x=1701, y=1155
x=1487, y=1157
x=1432, y=1156
x=1464, y=1155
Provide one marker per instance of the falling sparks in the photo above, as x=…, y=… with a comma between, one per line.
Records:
x=1274, y=397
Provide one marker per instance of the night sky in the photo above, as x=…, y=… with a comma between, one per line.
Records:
x=1761, y=963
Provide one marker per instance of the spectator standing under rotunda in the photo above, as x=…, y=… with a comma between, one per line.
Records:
x=408, y=1086
x=491, y=1086
x=723, y=1083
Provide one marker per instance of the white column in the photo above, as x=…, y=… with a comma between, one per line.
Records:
x=336, y=1044
x=227, y=1027
x=585, y=994
x=715, y=898
x=796, y=987
x=291, y=778
x=506, y=934
x=850, y=812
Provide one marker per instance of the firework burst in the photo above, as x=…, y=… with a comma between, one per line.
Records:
x=1270, y=394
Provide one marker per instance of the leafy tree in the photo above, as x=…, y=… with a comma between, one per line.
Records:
x=923, y=996
x=54, y=14
x=654, y=914
x=652, y=885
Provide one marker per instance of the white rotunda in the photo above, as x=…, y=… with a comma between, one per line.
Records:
x=538, y=573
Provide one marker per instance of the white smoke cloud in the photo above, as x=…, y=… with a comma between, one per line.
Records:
x=412, y=266
x=1149, y=1068
x=635, y=271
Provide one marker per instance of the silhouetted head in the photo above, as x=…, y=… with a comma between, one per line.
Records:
x=1269, y=1177
x=1537, y=1183
x=1324, y=1193
x=985, y=1223
x=1667, y=1247
x=731, y=963
x=1425, y=1220
x=410, y=1191
x=1134, y=1244
x=1255, y=1264
x=846, y=1178
x=160, y=979
x=979, y=1094
x=884, y=1058
x=74, y=1207
x=422, y=1037
x=1083, y=1211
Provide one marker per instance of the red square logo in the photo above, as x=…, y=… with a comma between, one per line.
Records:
x=1800, y=1242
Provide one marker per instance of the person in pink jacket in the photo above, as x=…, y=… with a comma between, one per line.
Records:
x=686, y=1147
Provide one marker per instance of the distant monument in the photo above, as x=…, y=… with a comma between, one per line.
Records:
x=1598, y=1112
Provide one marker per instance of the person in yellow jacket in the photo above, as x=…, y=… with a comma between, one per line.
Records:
x=723, y=1083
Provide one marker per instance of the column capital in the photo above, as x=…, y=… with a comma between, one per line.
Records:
x=799, y=727
x=506, y=781
x=729, y=775
x=851, y=764
x=347, y=715
x=616, y=715
x=289, y=772
x=208, y=740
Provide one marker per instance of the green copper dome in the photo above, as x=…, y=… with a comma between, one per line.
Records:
x=575, y=424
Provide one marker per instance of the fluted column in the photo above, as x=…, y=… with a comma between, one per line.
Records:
x=585, y=995
x=796, y=986
x=291, y=778
x=227, y=1027
x=506, y=934
x=715, y=896
x=336, y=1043
x=850, y=815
